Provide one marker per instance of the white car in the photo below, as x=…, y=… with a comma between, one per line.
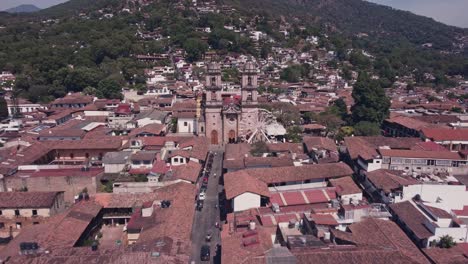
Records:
x=202, y=196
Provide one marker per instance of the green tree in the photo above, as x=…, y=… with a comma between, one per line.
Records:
x=109, y=89
x=3, y=108
x=294, y=134
x=365, y=128
x=370, y=102
x=341, y=107
x=446, y=242
x=195, y=49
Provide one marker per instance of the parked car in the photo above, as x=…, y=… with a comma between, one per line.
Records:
x=205, y=253
x=199, y=205
x=203, y=188
x=202, y=196
x=205, y=180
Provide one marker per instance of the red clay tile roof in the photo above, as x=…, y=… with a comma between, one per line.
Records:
x=156, y=129
x=300, y=173
x=388, y=180
x=241, y=182
x=237, y=151
x=286, y=147
x=345, y=186
x=319, y=143
x=189, y=171
x=62, y=133
x=383, y=234
x=429, y=146
x=109, y=143
x=454, y=255
x=420, y=154
x=366, y=147
x=408, y=122
x=412, y=218
x=14, y=200
x=324, y=219
x=440, y=134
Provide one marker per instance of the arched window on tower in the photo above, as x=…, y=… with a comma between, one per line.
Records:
x=213, y=81
x=249, y=81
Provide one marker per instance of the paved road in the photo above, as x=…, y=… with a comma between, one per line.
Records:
x=205, y=219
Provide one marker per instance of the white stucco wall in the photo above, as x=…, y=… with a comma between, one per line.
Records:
x=451, y=196
x=113, y=168
x=186, y=125
x=246, y=201
x=298, y=185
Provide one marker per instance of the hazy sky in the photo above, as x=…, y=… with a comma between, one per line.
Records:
x=452, y=12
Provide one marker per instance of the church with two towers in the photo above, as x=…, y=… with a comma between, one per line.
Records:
x=229, y=114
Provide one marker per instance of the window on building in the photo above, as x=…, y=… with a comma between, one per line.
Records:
x=430, y=162
x=72, y=155
x=34, y=212
x=17, y=212
x=1, y=213
x=2, y=225
x=176, y=159
x=35, y=223
x=185, y=124
x=18, y=225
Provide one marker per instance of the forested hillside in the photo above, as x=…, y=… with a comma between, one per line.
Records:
x=75, y=46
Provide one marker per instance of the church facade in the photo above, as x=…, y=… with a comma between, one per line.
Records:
x=229, y=114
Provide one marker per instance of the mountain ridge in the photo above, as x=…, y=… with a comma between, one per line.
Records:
x=26, y=8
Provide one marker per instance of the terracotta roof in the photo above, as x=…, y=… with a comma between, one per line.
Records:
x=319, y=143
x=420, y=154
x=109, y=143
x=75, y=98
x=13, y=200
x=366, y=147
x=408, y=122
x=189, y=171
x=268, y=161
x=454, y=255
x=301, y=173
x=382, y=234
x=286, y=147
x=412, y=218
x=143, y=155
x=345, y=186
x=324, y=219
x=388, y=180
x=429, y=146
x=237, y=151
x=62, y=133
x=439, y=134
x=241, y=182
x=156, y=129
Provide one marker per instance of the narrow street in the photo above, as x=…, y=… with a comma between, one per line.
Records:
x=204, y=221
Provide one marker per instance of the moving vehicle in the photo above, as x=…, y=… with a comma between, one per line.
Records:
x=205, y=253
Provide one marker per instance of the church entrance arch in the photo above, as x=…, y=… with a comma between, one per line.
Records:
x=214, y=137
x=232, y=136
